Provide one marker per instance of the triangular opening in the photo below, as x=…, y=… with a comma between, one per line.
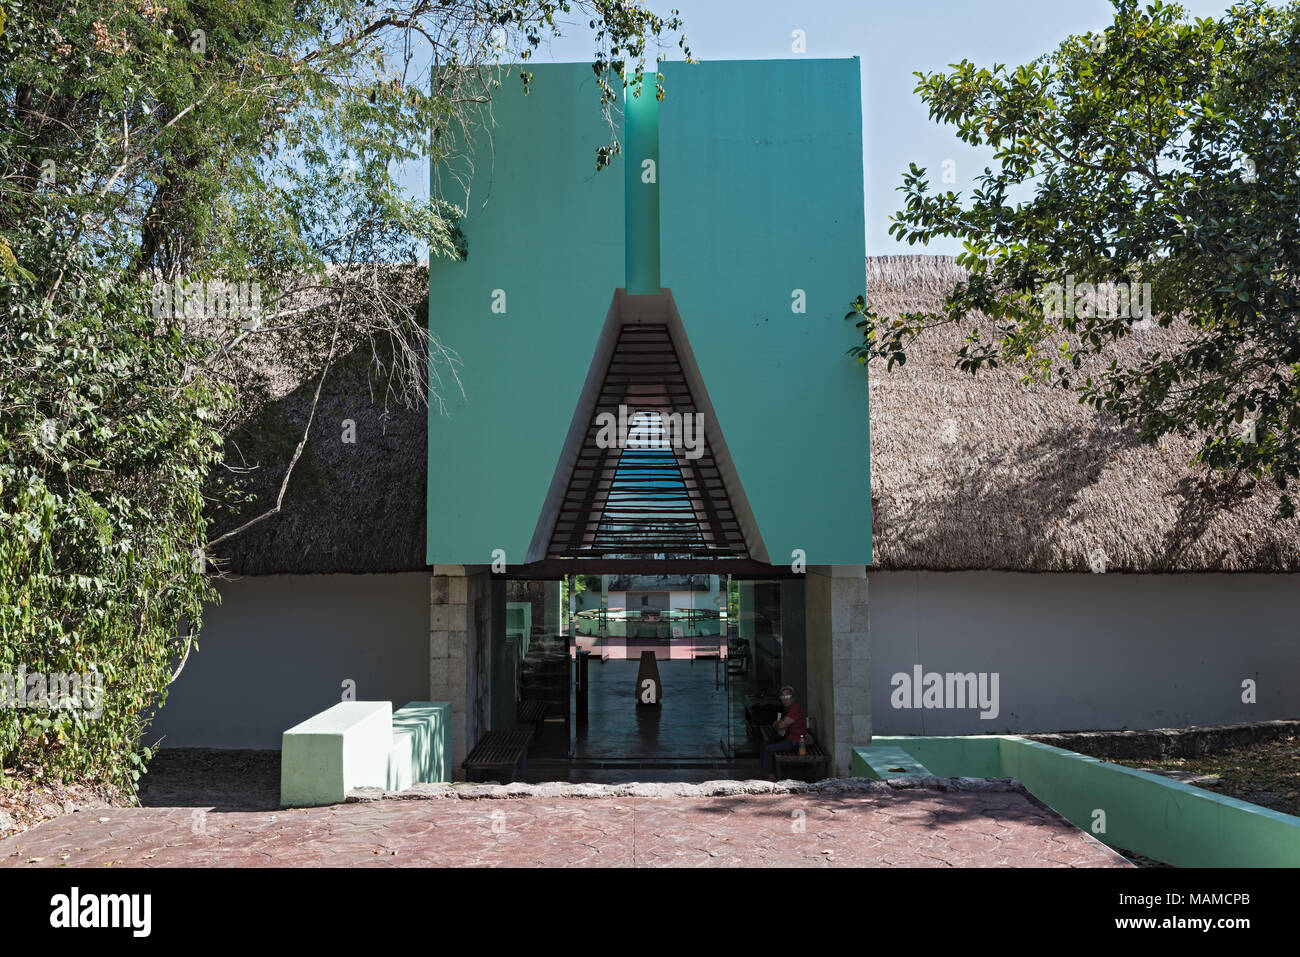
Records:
x=645, y=472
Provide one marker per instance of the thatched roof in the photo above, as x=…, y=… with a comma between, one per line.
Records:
x=978, y=472
x=351, y=506
x=967, y=472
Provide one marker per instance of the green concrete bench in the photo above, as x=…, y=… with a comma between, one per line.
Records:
x=883, y=762
x=329, y=754
x=421, y=746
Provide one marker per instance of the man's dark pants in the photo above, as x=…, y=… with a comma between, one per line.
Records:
x=767, y=761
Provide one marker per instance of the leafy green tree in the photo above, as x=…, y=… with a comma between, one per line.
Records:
x=1162, y=151
x=190, y=190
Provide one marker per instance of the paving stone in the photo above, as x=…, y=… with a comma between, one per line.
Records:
x=835, y=826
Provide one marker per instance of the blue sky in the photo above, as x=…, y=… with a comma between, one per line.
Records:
x=893, y=39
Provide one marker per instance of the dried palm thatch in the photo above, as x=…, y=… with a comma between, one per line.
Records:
x=355, y=498
x=980, y=472
x=967, y=471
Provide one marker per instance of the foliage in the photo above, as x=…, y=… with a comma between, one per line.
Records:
x=1162, y=151
x=103, y=451
x=150, y=154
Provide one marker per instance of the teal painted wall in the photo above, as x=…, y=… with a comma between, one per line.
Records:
x=760, y=194
x=641, y=186
x=546, y=228
x=760, y=181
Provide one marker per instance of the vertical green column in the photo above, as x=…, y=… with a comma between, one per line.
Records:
x=641, y=195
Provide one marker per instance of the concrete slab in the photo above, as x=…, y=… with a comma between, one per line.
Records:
x=428, y=724
x=400, y=759
x=884, y=762
x=344, y=747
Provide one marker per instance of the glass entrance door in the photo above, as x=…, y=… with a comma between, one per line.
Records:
x=765, y=650
x=722, y=647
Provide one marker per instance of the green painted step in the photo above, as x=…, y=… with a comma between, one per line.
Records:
x=885, y=762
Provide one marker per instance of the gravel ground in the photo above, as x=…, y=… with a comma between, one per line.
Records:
x=27, y=799
x=1266, y=773
x=229, y=780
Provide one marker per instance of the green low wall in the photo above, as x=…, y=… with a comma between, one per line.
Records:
x=1147, y=813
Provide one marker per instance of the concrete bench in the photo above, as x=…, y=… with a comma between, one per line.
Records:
x=329, y=754
x=883, y=762
x=421, y=747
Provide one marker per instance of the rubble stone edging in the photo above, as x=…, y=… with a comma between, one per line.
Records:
x=560, y=789
x=1167, y=742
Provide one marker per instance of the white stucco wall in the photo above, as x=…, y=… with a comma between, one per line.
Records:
x=278, y=649
x=1084, y=651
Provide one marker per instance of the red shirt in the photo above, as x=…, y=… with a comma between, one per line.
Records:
x=800, y=726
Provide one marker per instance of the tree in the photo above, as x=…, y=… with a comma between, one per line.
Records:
x=188, y=191
x=1152, y=173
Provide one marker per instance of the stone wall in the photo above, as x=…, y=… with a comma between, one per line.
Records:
x=460, y=623
x=839, y=686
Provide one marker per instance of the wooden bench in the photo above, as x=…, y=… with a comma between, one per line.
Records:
x=816, y=760
x=497, y=752
x=531, y=714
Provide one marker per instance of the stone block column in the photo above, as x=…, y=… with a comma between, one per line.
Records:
x=460, y=618
x=839, y=681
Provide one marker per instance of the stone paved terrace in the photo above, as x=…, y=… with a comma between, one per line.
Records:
x=990, y=825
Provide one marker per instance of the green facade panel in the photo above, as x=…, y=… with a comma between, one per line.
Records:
x=761, y=212
x=545, y=238
x=759, y=219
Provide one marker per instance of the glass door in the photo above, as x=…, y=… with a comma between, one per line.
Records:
x=530, y=666
x=765, y=650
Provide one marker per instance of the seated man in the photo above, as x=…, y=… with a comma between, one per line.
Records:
x=791, y=728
